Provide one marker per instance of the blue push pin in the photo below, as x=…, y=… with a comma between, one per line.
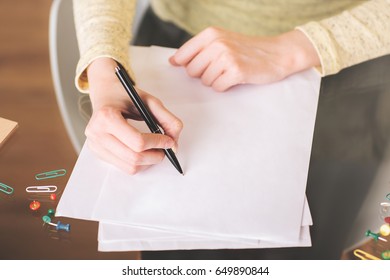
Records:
x=65, y=227
x=59, y=225
x=375, y=236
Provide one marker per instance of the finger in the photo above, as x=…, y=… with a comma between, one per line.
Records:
x=193, y=46
x=171, y=124
x=122, y=152
x=135, y=140
x=119, y=155
x=109, y=157
x=213, y=71
x=196, y=67
x=224, y=82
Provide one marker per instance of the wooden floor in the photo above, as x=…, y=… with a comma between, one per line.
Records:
x=27, y=94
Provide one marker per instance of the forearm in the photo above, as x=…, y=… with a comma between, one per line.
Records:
x=103, y=29
x=351, y=37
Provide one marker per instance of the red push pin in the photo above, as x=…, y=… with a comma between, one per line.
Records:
x=387, y=220
x=53, y=196
x=34, y=205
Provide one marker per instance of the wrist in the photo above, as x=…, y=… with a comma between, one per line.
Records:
x=104, y=86
x=300, y=53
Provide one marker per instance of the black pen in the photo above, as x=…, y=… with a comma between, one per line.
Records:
x=146, y=115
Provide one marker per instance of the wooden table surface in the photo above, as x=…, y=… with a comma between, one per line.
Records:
x=39, y=144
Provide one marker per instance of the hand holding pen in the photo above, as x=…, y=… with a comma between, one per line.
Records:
x=144, y=112
x=110, y=134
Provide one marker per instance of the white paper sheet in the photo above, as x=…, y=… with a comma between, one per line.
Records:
x=245, y=154
x=118, y=237
x=115, y=237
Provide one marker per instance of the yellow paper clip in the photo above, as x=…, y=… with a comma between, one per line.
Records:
x=364, y=255
x=6, y=189
x=50, y=174
x=41, y=189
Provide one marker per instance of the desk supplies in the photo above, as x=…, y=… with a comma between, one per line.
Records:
x=375, y=236
x=7, y=127
x=35, y=205
x=386, y=255
x=6, y=189
x=41, y=189
x=146, y=115
x=50, y=174
x=58, y=225
x=385, y=230
x=363, y=255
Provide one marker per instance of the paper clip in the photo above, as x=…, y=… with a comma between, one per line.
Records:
x=6, y=189
x=50, y=174
x=41, y=189
x=364, y=255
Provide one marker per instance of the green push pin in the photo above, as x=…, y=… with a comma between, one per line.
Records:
x=375, y=236
x=46, y=219
x=386, y=255
x=50, y=212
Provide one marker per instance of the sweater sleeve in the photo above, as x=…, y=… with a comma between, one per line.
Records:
x=351, y=37
x=103, y=29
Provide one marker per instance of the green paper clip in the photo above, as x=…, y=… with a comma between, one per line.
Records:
x=50, y=174
x=6, y=189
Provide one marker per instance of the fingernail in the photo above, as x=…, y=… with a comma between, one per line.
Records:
x=174, y=149
x=173, y=61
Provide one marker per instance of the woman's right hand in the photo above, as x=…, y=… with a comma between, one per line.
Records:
x=110, y=133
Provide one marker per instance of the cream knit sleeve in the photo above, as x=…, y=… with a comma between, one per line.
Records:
x=103, y=29
x=351, y=37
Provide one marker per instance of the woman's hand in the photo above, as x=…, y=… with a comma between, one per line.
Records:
x=109, y=132
x=222, y=59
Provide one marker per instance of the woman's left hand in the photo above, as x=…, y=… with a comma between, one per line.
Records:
x=222, y=59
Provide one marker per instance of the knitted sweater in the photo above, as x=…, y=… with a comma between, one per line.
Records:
x=343, y=32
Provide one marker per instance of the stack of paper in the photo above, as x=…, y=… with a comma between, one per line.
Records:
x=245, y=154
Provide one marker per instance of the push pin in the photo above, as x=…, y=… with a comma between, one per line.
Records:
x=53, y=196
x=35, y=205
x=375, y=236
x=387, y=220
x=384, y=230
x=50, y=212
x=386, y=255
x=59, y=225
